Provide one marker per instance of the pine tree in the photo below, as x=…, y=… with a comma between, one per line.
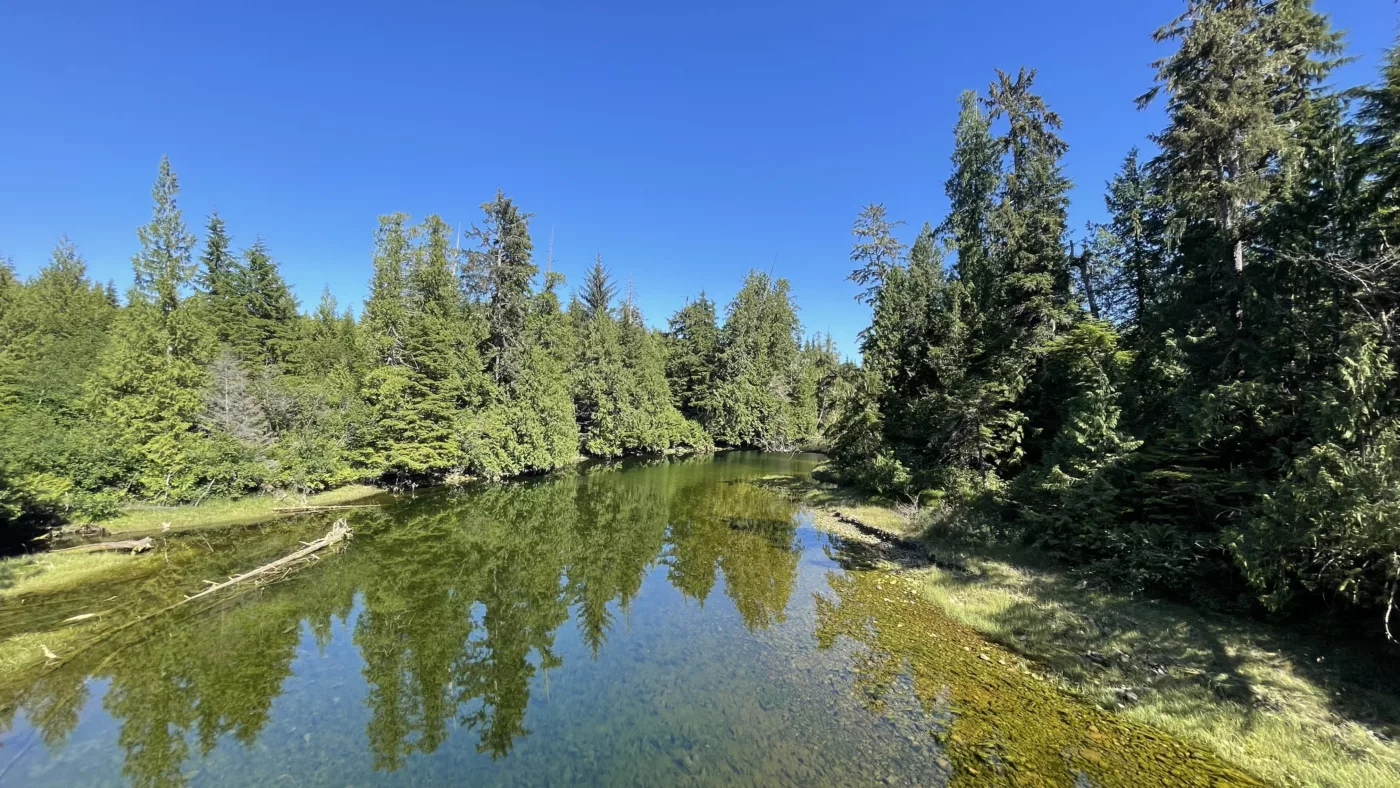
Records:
x=692, y=339
x=756, y=368
x=499, y=271
x=164, y=268
x=876, y=252
x=1242, y=73
x=971, y=191
x=148, y=389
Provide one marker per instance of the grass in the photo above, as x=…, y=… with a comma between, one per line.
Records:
x=39, y=573
x=43, y=573
x=229, y=511
x=1294, y=707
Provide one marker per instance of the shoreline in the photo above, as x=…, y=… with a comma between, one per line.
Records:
x=1287, y=705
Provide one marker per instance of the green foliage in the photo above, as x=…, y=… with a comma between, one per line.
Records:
x=1241, y=431
x=622, y=400
x=754, y=399
x=692, y=339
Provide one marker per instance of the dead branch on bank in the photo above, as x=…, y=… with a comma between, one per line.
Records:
x=132, y=546
x=304, y=509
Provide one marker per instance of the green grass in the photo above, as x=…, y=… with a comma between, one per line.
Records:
x=39, y=573
x=1294, y=707
x=229, y=511
x=42, y=573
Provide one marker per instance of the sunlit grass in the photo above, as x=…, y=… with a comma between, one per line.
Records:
x=43, y=573
x=230, y=511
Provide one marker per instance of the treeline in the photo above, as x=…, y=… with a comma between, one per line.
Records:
x=465, y=362
x=1202, y=393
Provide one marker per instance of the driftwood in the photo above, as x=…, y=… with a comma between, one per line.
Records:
x=132, y=546
x=905, y=543
x=300, y=509
x=339, y=532
x=878, y=532
x=86, y=529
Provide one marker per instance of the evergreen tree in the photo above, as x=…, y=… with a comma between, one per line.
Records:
x=499, y=272
x=1032, y=291
x=971, y=191
x=756, y=369
x=148, y=388
x=268, y=315
x=220, y=280
x=598, y=290
x=1380, y=128
x=692, y=339
x=876, y=252
x=1128, y=250
x=164, y=268
x=1235, y=86
x=427, y=373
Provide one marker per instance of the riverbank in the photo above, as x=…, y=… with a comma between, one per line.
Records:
x=1292, y=707
x=51, y=571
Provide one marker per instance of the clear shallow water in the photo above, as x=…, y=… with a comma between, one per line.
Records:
x=662, y=623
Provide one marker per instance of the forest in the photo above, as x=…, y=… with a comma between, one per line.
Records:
x=1196, y=396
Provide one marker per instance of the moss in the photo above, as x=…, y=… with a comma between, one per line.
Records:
x=1005, y=725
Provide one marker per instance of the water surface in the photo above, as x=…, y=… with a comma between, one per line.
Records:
x=659, y=623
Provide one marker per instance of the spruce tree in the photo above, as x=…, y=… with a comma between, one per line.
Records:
x=268, y=315
x=1242, y=73
x=876, y=252
x=499, y=272
x=220, y=279
x=971, y=191
x=756, y=369
x=164, y=268
x=1128, y=249
x=1030, y=220
x=148, y=389
x=692, y=339
x=1379, y=117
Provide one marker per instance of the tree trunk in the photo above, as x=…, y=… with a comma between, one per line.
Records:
x=1083, y=262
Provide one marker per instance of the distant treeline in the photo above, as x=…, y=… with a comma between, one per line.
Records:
x=465, y=362
x=1201, y=393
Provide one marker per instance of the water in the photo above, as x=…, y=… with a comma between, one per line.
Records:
x=663, y=623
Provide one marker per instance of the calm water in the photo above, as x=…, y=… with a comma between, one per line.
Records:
x=650, y=624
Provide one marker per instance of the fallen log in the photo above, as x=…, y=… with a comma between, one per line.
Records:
x=339, y=532
x=877, y=532
x=132, y=546
x=301, y=509
x=905, y=543
x=86, y=529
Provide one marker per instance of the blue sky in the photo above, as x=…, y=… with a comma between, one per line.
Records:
x=687, y=144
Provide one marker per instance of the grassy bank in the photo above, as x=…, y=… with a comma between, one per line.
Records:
x=229, y=511
x=44, y=572
x=1293, y=707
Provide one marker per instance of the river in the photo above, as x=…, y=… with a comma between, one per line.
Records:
x=645, y=623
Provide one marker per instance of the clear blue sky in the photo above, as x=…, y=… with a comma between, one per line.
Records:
x=685, y=142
